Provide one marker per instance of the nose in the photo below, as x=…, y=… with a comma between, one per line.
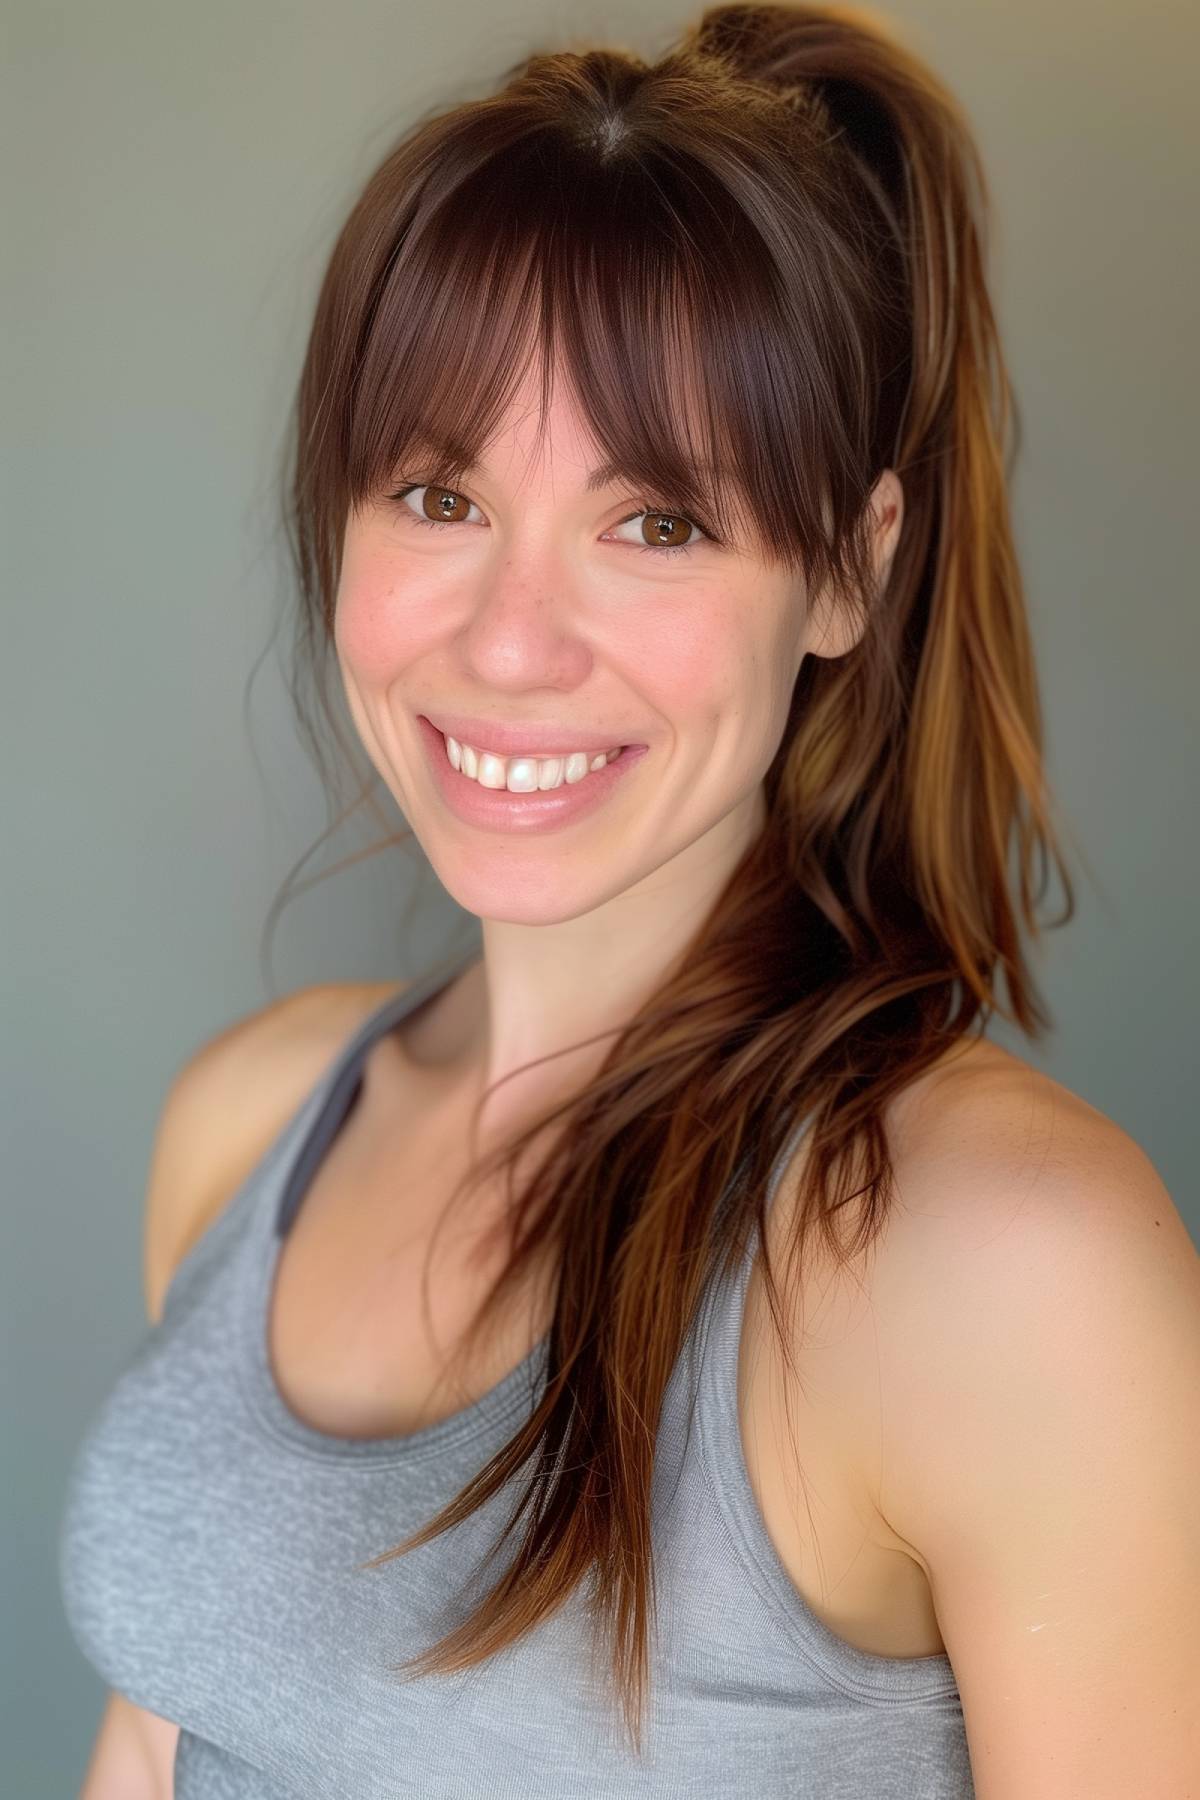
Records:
x=522, y=627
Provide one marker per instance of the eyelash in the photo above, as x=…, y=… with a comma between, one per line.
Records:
x=650, y=549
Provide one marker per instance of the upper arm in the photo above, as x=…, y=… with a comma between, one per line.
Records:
x=224, y=1106
x=1038, y=1331
x=133, y=1754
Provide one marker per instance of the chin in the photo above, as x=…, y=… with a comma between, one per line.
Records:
x=516, y=884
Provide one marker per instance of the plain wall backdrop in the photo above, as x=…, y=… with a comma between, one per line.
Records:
x=175, y=175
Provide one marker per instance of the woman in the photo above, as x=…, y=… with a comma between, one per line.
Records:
x=668, y=1349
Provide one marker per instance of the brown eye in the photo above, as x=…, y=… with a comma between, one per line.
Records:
x=665, y=531
x=444, y=505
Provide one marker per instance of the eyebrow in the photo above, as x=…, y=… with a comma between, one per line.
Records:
x=445, y=461
x=604, y=476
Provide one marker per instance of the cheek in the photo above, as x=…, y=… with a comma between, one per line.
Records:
x=369, y=639
x=380, y=625
x=710, y=667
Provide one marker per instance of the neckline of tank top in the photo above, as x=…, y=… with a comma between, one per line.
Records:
x=313, y=1130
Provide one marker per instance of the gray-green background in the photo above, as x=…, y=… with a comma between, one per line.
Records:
x=174, y=175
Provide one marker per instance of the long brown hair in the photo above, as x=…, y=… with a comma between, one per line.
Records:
x=784, y=216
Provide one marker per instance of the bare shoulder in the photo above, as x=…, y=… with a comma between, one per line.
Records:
x=986, y=1144
x=1034, y=1317
x=1016, y=1205
x=227, y=1102
x=1028, y=1230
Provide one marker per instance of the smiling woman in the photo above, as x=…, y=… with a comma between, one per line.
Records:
x=648, y=499
x=670, y=686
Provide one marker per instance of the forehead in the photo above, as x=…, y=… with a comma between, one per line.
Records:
x=536, y=445
x=532, y=446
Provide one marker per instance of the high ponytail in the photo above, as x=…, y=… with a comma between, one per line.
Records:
x=969, y=773
x=810, y=201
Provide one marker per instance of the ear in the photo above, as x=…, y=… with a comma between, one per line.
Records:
x=833, y=630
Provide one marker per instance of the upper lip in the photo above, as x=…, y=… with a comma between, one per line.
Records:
x=511, y=740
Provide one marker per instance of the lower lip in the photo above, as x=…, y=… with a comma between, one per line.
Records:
x=499, y=810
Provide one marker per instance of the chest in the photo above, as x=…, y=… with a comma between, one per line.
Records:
x=376, y=1283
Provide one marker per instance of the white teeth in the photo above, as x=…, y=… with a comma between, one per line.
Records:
x=523, y=774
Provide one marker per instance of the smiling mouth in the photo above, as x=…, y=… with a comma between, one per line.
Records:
x=524, y=774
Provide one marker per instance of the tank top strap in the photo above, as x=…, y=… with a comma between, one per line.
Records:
x=729, y=1285
x=715, y=1336
x=266, y=1199
x=738, y=1277
x=706, y=1373
x=328, y=1104
x=860, y=1673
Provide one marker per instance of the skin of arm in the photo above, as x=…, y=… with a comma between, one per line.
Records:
x=133, y=1757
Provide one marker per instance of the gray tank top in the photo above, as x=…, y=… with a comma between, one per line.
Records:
x=208, y=1558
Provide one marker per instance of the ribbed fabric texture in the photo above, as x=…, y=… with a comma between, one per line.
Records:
x=209, y=1543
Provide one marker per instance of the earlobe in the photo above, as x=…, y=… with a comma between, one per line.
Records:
x=832, y=627
x=887, y=505
x=835, y=628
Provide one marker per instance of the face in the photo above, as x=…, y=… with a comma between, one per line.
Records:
x=542, y=616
